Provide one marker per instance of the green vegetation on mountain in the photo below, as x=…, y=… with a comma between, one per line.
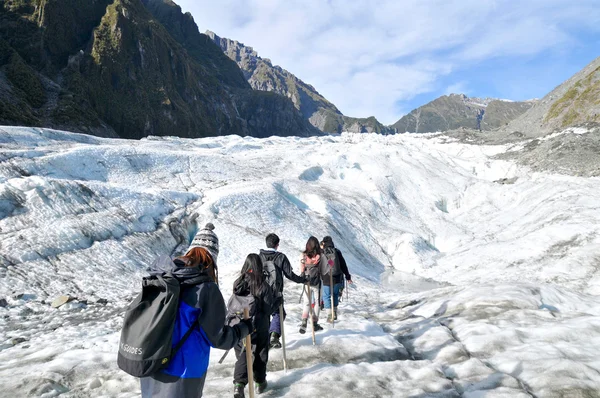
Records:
x=581, y=103
x=126, y=67
x=574, y=102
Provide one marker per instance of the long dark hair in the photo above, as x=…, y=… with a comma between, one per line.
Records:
x=252, y=273
x=312, y=247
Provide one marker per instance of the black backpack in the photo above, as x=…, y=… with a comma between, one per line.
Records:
x=147, y=335
x=313, y=273
x=273, y=275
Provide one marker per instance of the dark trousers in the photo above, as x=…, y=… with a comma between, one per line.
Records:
x=276, y=322
x=260, y=348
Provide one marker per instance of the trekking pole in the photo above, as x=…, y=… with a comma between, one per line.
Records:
x=310, y=312
x=224, y=356
x=249, y=358
x=302, y=294
x=347, y=286
x=282, y=337
x=332, y=299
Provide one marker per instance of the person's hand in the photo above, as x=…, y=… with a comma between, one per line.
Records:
x=349, y=281
x=249, y=324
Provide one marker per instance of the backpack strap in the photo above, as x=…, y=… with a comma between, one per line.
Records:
x=192, y=282
x=184, y=338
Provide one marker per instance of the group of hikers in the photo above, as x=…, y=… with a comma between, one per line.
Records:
x=200, y=320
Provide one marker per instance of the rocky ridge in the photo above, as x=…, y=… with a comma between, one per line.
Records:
x=457, y=111
x=262, y=75
x=572, y=103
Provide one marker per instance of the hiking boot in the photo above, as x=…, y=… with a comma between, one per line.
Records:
x=275, y=343
x=238, y=391
x=335, y=314
x=303, y=326
x=261, y=387
x=318, y=327
x=330, y=317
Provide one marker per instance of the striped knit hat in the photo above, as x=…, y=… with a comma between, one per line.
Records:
x=208, y=240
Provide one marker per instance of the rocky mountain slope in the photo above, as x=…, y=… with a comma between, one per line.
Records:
x=574, y=102
x=127, y=68
x=264, y=76
x=457, y=110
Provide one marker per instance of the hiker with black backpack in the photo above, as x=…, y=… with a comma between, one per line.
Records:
x=252, y=291
x=171, y=326
x=332, y=272
x=310, y=270
x=277, y=265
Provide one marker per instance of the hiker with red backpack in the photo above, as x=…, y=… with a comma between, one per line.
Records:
x=310, y=270
x=333, y=270
x=252, y=291
x=277, y=265
x=170, y=327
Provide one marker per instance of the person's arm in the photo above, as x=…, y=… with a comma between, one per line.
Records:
x=286, y=267
x=343, y=266
x=212, y=319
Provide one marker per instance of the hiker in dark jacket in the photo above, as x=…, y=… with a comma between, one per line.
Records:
x=202, y=304
x=284, y=268
x=334, y=266
x=252, y=282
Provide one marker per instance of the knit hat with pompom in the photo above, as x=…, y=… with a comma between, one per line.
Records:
x=208, y=240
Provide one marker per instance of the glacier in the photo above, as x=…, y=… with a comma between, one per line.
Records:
x=475, y=277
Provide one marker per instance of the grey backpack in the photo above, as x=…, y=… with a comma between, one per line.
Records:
x=332, y=265
x=235, y=308
x=273, y=275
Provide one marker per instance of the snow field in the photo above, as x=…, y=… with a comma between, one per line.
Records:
x=465, y=286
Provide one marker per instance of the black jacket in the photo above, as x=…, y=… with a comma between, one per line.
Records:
x=282, y=264
x=266, y=302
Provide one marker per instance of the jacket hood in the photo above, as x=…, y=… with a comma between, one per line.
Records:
x=188, y=275
x=328, y=242
x=269, y=254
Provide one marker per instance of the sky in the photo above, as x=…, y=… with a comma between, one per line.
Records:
x=384, y=58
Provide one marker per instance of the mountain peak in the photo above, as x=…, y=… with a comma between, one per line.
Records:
x=454, y=111
x=264, y=76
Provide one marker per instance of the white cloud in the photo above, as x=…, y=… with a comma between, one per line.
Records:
x=369, y=56
x=457, y=88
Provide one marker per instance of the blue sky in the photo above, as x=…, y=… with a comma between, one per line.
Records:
x=387, y=57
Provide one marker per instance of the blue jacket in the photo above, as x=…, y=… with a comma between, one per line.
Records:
x=186, y=373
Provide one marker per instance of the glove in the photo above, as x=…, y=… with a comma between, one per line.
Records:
x=249, y=324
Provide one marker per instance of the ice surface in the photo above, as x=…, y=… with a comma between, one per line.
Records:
x=464, y=286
